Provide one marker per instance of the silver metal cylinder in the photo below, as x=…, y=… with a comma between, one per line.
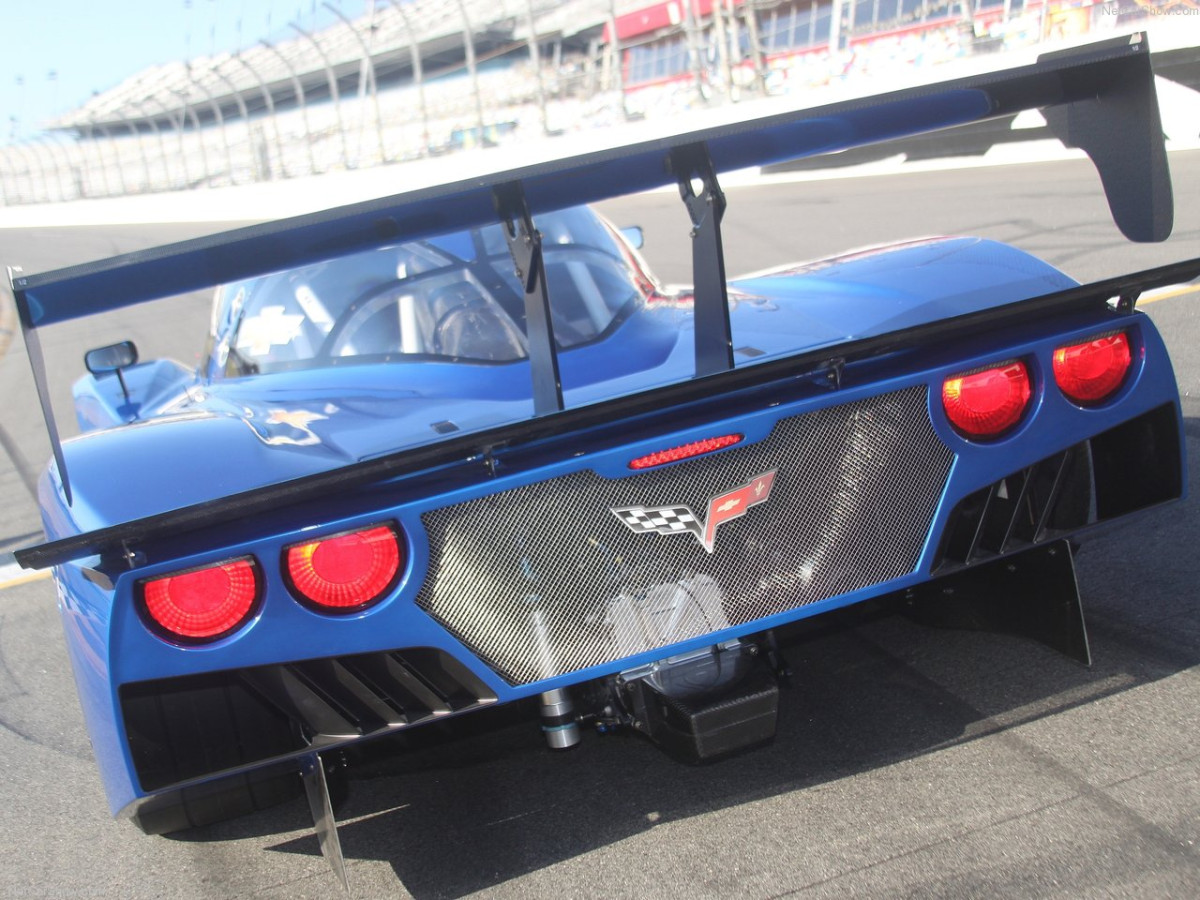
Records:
x=558, y=720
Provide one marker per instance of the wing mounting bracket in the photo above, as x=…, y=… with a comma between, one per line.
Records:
x=705, y=202
x=525, y=245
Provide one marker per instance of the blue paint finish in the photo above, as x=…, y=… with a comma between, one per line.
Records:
x=186, y=440
x=285, y=630
x=86, y=611
x=101, y=403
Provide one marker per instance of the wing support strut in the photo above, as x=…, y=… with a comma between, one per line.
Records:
x=33, y=348
x=705, y=202
x=525, y=245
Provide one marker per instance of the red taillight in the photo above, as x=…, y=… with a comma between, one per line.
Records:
x=1092, y=371
x=345, y=572
x=203, y=604
x=674, y=454
x=986, y=403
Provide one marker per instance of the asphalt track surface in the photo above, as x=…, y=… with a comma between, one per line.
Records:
x=910, y=762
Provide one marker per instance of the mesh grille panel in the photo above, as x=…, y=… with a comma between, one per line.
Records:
x=545, y=579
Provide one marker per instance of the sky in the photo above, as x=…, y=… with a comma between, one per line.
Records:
x=57, y=53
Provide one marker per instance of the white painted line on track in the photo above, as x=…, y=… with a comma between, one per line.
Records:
x=1165, y=293
x=12, y=575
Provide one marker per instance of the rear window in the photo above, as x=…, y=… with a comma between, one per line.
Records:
x=454, y=297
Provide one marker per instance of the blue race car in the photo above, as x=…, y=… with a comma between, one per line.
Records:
x=458, y=448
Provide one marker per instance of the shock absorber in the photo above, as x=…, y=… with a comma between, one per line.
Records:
x=558, y=720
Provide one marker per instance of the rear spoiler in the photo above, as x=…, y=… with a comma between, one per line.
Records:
x=1099, y=98
x=823, y=366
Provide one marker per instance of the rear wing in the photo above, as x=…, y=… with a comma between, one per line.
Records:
x=1099, y=98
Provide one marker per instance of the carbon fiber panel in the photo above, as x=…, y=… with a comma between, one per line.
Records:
x=547, y=579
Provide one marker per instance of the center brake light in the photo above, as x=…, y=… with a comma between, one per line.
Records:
x=346, y=572
x=685, y=451
x=202, y=604
x=984, y=403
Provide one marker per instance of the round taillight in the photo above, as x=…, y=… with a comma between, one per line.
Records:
x=1092, y=371
x=202, y=604
x=346, y=572
x=987, y=402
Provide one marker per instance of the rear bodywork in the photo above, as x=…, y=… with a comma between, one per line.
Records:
x=535, y=561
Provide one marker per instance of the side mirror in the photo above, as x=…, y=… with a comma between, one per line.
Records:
x=633, y=236
x=113, y=358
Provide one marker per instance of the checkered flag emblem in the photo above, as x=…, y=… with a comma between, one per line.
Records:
x=681, y=519
x=663, y=519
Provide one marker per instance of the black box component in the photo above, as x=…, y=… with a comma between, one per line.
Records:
x=703, y=727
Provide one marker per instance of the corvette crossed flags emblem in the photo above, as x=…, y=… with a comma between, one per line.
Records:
x=681, y=520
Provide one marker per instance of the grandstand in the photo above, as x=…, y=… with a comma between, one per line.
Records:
x=407, y=79
x=412, y=78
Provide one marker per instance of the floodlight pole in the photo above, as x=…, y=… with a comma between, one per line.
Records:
x=63, y=186
x=103, y=165
x=36, y=139
x=216, y=108
x=537, y=65
x=140, y=106
x=618, y=73
x=177, y=124
x=270, y=104
x=414, y=52
x=188, y=111
x=722, y=38
x=29, y=169
x=116, y=155
x=245, y=114
x=333, y=90
x=133, y=130
x=469, y=49
x=370, y=67
x=691, y=26
x=299, y=90
x=749, y=11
